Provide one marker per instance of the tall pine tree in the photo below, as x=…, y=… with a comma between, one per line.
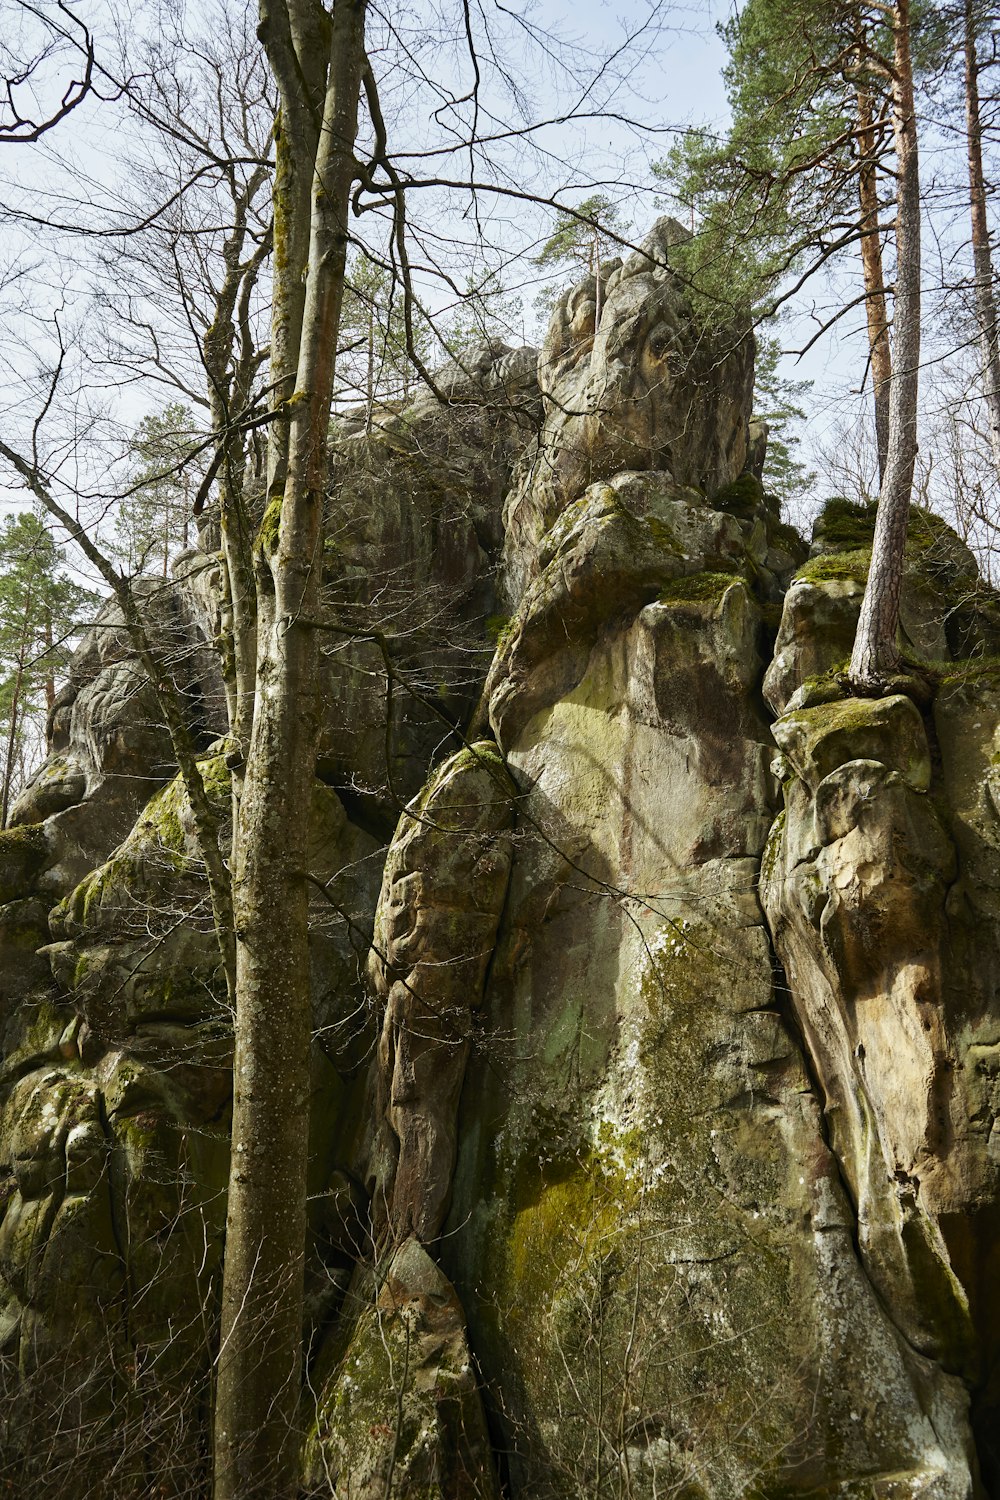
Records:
x=41, y=609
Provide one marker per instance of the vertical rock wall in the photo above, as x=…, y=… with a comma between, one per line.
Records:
x=657, y=1073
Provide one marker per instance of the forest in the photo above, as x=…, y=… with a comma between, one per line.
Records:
x=500, y=750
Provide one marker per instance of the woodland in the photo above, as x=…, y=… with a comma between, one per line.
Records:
x=500, y=751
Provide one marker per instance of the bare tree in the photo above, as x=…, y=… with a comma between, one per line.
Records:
x=47, y=57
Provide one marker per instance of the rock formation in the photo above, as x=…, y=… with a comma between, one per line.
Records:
x=657, y=1063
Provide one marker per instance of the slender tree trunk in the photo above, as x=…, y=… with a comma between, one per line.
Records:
x=15, y=705
x=50, y=681
x=875, y=652
x=871, y=260
x=229, y=378
x=982, y=256
x=259, y=1370
x=8, y=775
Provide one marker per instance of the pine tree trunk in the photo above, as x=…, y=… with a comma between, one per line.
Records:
x=982, y=257
x=8, y=775
x=875, y=651
x=50, y=680
x=871, y=260
x=259, y=1367
x=15, y=705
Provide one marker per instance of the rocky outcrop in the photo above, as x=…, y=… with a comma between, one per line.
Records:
x=628, y=382
x=876, y=889
x=443, y=890
x=657, y=1067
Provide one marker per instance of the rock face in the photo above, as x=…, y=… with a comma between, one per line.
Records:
x=657, y=1072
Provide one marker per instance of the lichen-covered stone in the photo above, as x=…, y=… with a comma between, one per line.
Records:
x=667, y=1133
x=443, y=890
x=649, y=1229
x=890, y=730
x=400, y=1414
x=636, y=387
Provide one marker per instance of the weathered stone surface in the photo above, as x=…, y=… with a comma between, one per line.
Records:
x=882, y=903
x=109, y=748
x=649, y=1229
x=628, y=383
x=415, y=530
x=609, y=552
x=401, y=1414
x=713, y=1180
x=442, y=893
x=890, y=730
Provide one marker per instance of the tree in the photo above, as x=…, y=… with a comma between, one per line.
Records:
x=794, y=184
x=153, y=517
x=41, y=608
x=814, y=88
x=374, y=356
x=271, y=536
x=777, y=402
x=582, y=238
x=984, y=290
x=48, y=60
x=318, y=64
x=875, y=652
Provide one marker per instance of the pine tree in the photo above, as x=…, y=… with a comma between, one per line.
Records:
x=777, y=401
x=374, y=361
x=152, y=521
x=581, y=241
x=41, y=609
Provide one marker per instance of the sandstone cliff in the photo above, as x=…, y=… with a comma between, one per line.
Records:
x=657, y=1063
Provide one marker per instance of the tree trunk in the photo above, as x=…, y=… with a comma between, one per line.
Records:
x=875, y=652
x=50, y=680
x=871, y=260
x=8, y=775
x=982, y=257
x=15, y=704
x=259, y=1369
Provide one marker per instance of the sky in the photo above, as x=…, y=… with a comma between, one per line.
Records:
x=671, y=80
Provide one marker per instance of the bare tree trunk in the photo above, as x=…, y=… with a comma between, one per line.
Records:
x=259, y=1370
x=50, y=680
x=880, y=356
x=15, y=704
x=230, y=364
x=8, y=775
x=875, y=651
x=982, y=257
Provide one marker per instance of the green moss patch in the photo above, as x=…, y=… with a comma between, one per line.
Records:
x=845, y=525
x=697, y=588
x=833, y=566
x=742, y=499
x=23, y=852
x=270, y=527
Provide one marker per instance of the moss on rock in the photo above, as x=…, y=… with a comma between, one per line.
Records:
x=697, y=588
x=23, y=853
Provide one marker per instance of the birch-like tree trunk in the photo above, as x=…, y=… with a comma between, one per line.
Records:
x=982, y=254
x=875, y=651
x=317, y=61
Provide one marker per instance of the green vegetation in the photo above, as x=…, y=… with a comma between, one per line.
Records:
x=153, y=516
x=697, y=588
x=41, y=612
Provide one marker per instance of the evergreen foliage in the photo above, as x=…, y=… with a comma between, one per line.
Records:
x=41, y=609
x=153, y=517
